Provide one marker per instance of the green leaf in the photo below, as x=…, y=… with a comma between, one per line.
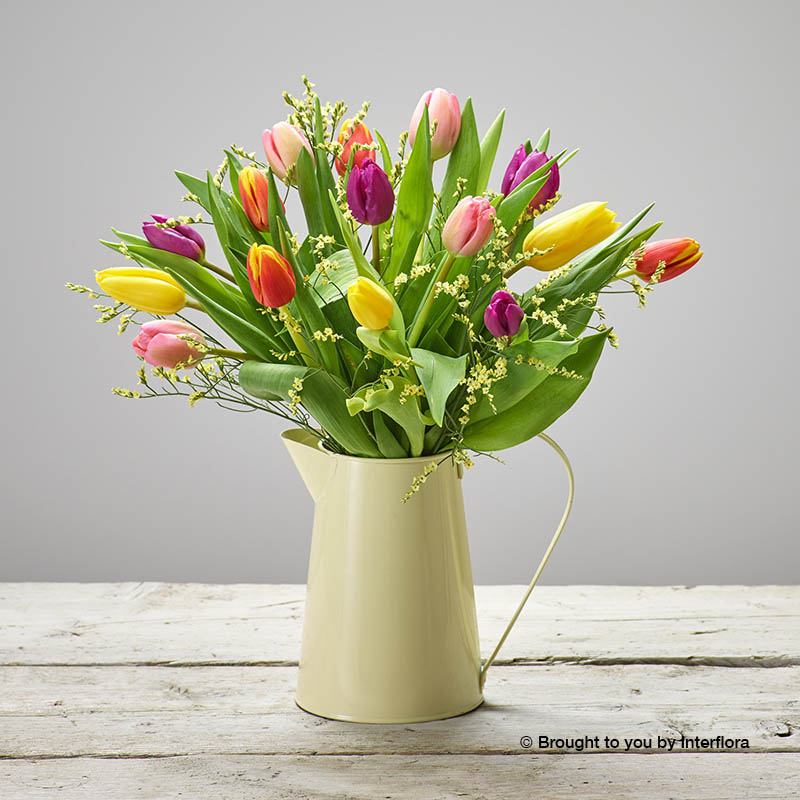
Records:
x=405, y=411
x=387, y=441
x=521, y=379
x=414, y=197
x=270, y=381
x=439, y=375
x=387, y=158
x=320, y=394
x=195, y=186
x=541, y=407
x=489, y=151
x=353, y=243
x=333, y=286
x=464, y=161
x=388, y=343
x=308, y=188
x=544, y=142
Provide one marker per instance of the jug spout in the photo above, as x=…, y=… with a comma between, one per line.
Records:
x=313, y=464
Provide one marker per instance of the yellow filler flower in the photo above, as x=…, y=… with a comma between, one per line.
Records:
x=150, y=290
x=370, y=304
x=569, y=234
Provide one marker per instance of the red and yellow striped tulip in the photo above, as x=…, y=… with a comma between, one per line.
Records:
x=271, y=276
x=678, y=255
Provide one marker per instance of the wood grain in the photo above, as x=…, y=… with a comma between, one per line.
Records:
x=169, y=690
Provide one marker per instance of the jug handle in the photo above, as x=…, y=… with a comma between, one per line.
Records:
x=547, y=553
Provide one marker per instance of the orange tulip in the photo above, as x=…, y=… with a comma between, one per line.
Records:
x=349, y=136
x=254, y=191
x=677, y=254
x=271, y=276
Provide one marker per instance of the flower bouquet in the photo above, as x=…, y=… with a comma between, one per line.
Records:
x=373, y=313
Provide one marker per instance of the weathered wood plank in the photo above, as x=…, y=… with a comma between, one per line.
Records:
x=167, y=711
x=155, y=623
x=701, y=777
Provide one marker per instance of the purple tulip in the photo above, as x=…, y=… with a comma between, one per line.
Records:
x=182, y=239
x=503, y=316
x=521, y=166
x=369, y=194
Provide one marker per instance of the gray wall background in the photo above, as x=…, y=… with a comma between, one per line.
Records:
x=685, y=443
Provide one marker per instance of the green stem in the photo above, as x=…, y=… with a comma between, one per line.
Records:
x=419, y=323
x=223, y=351
x=196, y=306
x=299, y=342
x=626, y=274
x=221, y=272
x=376, y=249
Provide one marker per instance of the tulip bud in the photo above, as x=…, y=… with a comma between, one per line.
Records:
x=271, y=276
x=159, y=343
x=677, y=254
x=347, y=138
x=369, y=194
x=444, y=108
x=183, y=240
x=468, y=227
x=568, y=234
x=521, y=166
x=282, y=144
x=150, y=290
x=254, y=191
x=503, y=315
x=370, y=304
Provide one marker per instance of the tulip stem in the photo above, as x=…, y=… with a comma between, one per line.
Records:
x=419, y=322
x=299, y=342
x=626, y=274
x=191, y=304
x=221, y=272
x=225, y=353
x=376, y=249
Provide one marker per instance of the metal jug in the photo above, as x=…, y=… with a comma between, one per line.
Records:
x=390, y=632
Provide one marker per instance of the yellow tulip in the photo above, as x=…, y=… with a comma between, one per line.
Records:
x=148, y=290
x=370, y=304
x=569, y=234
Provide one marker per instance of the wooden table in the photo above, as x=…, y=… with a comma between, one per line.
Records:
x=147, y=690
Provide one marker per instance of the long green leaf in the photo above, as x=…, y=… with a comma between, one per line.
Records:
x=464, y=162
x=320, y=394
x=439, y=376
x=489, y=151
x=541, y=407
x=308, y=188
x=414, y=198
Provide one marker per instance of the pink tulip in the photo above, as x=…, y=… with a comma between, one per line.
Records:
x=444, y=108
x=158, y=343
x=468, y=227
x=283, y=144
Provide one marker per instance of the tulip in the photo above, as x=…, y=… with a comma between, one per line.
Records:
x=468, y=227
x=347, y=138
x=150, y=290
x=282, y=144
x=182, y=239
x=271, y=276
x=521, y=166
x=159, y=343
x=568, y=234
x=369, y=194
x=503, y=315
x=444, y=108
x=254, y=191
x=370, y=304
x=677, y=254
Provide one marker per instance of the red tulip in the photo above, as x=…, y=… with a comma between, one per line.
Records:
x=677, y=254
x=347, y=138
x=271, y=276
x=254, y=191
